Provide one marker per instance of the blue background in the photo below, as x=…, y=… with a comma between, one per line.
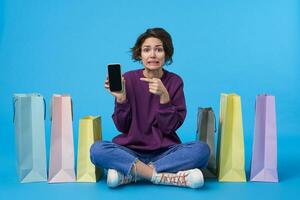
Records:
x=62, y=46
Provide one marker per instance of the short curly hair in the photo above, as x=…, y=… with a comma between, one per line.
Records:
x=160, y=34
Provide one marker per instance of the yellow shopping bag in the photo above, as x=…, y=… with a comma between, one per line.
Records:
x=231, y=155
x=89, y=132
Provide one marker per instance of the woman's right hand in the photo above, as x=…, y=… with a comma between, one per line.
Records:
x=121, y=95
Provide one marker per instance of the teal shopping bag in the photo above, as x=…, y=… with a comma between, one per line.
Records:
x=29, y=123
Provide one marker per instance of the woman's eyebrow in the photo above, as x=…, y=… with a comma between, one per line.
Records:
x=158, y=45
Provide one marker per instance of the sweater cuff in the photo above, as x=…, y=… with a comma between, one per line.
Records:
x=165, y=106
x=123, y=104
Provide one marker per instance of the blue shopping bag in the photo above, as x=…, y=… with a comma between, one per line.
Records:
x=29, y=123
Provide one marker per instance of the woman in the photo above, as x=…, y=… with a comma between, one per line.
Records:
x=148, y=111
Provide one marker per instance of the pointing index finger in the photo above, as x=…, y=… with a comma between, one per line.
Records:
x=149, y=80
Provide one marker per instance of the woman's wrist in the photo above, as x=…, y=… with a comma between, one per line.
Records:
x=121, y=99
x=164, y=98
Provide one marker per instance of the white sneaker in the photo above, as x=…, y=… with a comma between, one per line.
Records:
x=192, y=178
x=115, y=178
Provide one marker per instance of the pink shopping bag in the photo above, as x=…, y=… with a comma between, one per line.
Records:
x=61, y=164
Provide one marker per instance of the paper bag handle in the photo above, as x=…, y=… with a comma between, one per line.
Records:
x=44, y=108
x=14, y=109
x=72, y=108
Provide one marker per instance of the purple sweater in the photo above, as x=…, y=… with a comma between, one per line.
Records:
x=146, y=124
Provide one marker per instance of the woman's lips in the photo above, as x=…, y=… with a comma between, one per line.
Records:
x=153, y=62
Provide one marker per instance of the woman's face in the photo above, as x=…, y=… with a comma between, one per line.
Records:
x=152, y=53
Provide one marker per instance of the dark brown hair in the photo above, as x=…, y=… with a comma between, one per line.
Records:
x=160, y=34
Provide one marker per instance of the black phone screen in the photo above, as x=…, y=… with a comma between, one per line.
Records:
x=114, y=77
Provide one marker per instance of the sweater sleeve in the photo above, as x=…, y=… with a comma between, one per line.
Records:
x=170, y=116
x=122, y=116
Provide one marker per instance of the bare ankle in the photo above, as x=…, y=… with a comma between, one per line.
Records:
x=152, y=166
x=142, y=170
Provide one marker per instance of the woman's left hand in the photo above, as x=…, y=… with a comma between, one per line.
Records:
x=157, y=87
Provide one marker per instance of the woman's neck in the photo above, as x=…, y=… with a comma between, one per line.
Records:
x=153, y=73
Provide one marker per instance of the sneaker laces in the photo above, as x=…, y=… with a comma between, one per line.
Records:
x=178, y=179
x=125, y=179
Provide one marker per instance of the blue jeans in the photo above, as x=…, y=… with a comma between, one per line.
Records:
x=172, y=159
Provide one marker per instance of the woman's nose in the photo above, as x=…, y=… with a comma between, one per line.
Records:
x=152, y=53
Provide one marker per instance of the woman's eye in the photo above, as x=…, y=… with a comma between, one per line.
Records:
x=146, y=50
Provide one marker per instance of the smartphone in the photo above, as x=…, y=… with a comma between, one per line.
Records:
x=114, y=77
